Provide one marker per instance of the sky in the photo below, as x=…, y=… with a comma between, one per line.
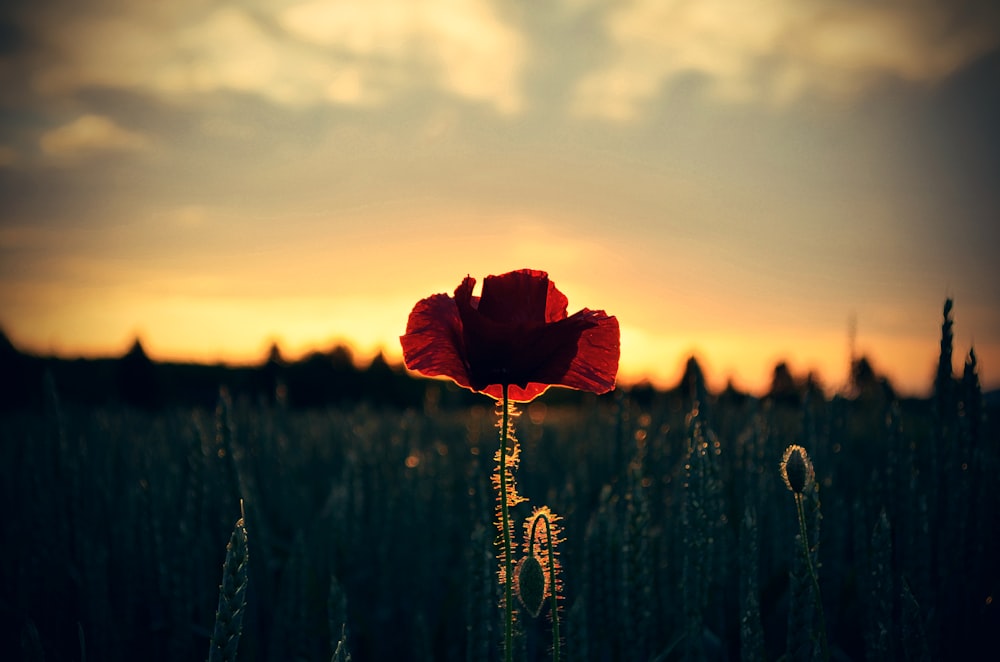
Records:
x=742, y=181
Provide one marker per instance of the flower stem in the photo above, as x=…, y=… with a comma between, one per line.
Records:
x=508, y=602
x=817, y=598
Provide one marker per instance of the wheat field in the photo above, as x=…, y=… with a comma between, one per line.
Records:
x=365, y=532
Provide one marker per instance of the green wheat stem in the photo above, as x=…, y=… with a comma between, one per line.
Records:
x=552, y=580
x=508, y=603
x=817, y=598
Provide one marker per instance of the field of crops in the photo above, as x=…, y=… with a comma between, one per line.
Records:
x=680, y=536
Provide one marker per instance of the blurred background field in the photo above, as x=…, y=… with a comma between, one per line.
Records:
x=368, y=504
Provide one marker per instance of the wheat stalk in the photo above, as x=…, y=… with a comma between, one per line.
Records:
x=232, y=598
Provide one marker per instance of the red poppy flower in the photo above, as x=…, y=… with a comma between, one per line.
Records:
x=516, y=333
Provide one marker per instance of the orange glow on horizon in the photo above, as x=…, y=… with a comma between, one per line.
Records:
x=747, y=360
x=230, y=308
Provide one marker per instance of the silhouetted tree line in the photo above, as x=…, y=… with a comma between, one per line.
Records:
x=334, y=378
x=135, y=380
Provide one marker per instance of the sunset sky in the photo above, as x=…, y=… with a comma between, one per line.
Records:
x=732, y=179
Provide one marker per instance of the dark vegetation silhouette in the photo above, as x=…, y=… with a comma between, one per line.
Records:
x=134, y=380
x=367, y=504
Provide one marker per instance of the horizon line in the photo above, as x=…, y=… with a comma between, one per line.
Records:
x=364, y=359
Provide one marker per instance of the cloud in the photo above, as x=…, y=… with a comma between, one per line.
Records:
x=89, y=134
x=8, y=156
x=780, y=52
x=178, y=56
x=337, y=52
x=343, y=52
x=462, y=44
x=380, y=28
x=18, y=237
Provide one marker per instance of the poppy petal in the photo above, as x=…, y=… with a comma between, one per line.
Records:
x=545, y=354
x=595, y=365
x=433, y=342
x=518, y=297
x=463, y=293
x=516, y=333
x=555, y=306
x=516, y=393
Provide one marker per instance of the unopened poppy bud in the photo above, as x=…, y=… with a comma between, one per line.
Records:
x=797, y=469
x=529, y=578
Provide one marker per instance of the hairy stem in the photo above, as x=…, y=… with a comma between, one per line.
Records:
x=508, y=603
x=817, y=598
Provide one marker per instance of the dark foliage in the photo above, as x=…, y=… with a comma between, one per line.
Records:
x=680, y=534
x=134, y=380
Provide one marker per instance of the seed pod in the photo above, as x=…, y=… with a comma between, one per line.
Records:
x=797, y=469
x=529, y=578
